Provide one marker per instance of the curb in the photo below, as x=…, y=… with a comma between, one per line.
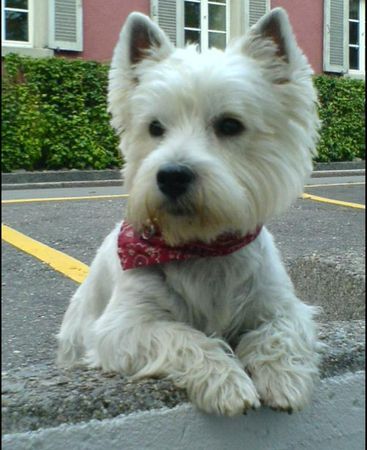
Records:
x=44, y=396
x=336, y=283
x=45, y=407
x=60, y=175
x=337, y=173
x=61, y=184
x=107, y=178
x=334, y=421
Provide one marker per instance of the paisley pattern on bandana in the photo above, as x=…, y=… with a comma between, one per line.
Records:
x=136, y=251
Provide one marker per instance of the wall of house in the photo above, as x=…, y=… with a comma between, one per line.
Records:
x=102, y=25
x=307, y=22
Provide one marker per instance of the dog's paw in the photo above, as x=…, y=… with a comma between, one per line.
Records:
x=231, y=395
x=282, y=390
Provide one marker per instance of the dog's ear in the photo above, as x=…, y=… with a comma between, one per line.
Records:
x=272, y=43
x=141, y=39
x=276, y=26
x=146, y=38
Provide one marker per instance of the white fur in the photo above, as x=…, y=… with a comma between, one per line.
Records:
x=228, y=329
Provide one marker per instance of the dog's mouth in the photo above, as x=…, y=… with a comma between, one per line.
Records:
x=178, y=208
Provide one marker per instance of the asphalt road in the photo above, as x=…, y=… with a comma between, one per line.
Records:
x=34, y=297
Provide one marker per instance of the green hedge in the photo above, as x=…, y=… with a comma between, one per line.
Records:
x=343, y=121
x=54, y=116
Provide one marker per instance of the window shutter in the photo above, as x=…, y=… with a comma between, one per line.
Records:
x=336, y=36
x=254, y=10
x=66, y=25
x=164, y=13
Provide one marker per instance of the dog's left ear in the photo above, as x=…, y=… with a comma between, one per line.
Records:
x=276, y=26
x=272, y=44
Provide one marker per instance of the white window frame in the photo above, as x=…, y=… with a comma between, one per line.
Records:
x=204, y=22
x=362, y=31
x=19, y=44
x=342, y=28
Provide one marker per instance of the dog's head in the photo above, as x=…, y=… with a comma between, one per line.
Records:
x=213, y=142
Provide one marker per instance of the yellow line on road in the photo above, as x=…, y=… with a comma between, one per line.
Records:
x=61, y=199
x=59, y=261
x=332, y=201
x=71, y=267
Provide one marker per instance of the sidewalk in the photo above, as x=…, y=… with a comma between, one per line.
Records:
x=113, y=177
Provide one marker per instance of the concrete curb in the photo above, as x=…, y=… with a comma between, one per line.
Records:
x=334, y=421
x=44, y=396
x=337, y=283
x=113, y=177
x=51, y=176
x=337, y=173
x=118, y=181
x=60, y=184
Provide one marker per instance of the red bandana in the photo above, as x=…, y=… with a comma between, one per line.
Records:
x=136, y=250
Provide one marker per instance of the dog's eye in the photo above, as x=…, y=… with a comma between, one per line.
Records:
x=228, y=126
x=156, y=129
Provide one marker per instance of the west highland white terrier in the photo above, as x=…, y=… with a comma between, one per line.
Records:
x=191, y=286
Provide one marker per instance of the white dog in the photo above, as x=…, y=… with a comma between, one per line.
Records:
x=191, y=287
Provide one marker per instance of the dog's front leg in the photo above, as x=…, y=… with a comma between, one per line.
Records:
x=281, y=357
x=138, y=337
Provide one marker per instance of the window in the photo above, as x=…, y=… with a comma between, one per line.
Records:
x=206, y=23
x=344, y=30
x=16, y=22
x=356, y=22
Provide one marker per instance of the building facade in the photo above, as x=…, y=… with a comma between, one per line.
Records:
x=330, y=32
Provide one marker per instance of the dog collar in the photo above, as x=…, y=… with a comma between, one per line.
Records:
x=144, y=250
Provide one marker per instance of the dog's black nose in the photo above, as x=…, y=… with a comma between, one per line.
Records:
x=174, y=179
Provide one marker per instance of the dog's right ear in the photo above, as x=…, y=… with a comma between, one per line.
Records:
x=141, y=42
x=141, y=39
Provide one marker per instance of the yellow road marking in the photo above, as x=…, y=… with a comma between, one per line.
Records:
x=61, y=199
x=59, y=261
x=332, y=201
x=70, y=266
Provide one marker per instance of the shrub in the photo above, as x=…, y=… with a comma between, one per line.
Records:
x=54, y=116
x=342, y=115
x=21, y=129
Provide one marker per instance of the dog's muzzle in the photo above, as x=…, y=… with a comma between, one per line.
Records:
x=174, y=180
